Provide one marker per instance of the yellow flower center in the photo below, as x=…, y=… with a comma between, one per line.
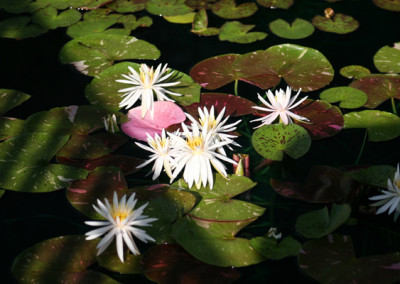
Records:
x=119, y=213
x=195, y=143
x=147, y=74
x=211, y=123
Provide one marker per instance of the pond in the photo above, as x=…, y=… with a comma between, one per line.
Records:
x=299, y=208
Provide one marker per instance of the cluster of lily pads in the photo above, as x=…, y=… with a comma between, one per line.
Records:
x=198, y=230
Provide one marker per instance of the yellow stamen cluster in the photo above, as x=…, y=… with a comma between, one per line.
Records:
x=119, y=213
x=211, y=123
x=195, y=143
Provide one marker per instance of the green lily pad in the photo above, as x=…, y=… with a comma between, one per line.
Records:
x=181, y=19
x=167, y=7
x=378, y=88
x=282, y=4
x=271, y=141
x=81, y=4
x=200, y=4
x=333, y=260
x=130, y=22
x=200, y=24
x=21, y=6
x=127, y=6
x=271, y=249
x=387, y=59
x=347, y=96
x=178, y=266
x=49, y=18
x=103, y=90
x=42, y=263
x=237, y=32
x=298, y=29
x=92, y=54
x=318, y=223
x=2, y=192
x=374, y=175
x=339, y=24
x=109, y=259
x=10, y=127
x=227, y=9
x=20, y=28
x=354, y=71
x=10, y=99
x=84, y=147
x=391, y=5
x=381, y=125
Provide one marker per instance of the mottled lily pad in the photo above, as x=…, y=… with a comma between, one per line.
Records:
x=178, y=266
x=333, y=260
x=271, y=141
x=109, y=259
x=92, y=54
x=84, y=147
x=42, y=263
x=318, y=223
x=374, y=175
x=20, y=28
x=354, y=71
x=237, y=32
x=10, y=99
x=298, y=29
x=282, y=4
x=339, y=24
x=167, y=7
x=347, y=96
x=271, y=249
x=378, y=88
x=10, y=127
x=227, y=9
x=387, y=59
x=381, y=125
x=127, y=6
x=49, y=18
x=103, y=90
x=391, y=5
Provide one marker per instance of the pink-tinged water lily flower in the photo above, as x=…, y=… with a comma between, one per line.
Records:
x=167, y=114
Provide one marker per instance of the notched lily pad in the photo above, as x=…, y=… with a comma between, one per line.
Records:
x=92, y=54
x=200, y=24
x=237, y=32
x=387, y=59
x=49, y=18
x=347, y=96
x=282, y=4
x=271, y=141
x=374, y=175
x=272, y=249
x=20, y=28
x=228, y=9
x=391, y=5
x=354, y=71
x=339, y=23
x=297, y=30
x=9, y=99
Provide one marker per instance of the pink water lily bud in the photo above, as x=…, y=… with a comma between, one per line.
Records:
x=165, y=114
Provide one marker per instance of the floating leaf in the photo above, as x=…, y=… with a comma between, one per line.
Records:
x=271, y=249
x=21, y=6
x=181, y=19
x=127, y=6
x=333, y=260
x=200, y=4
x=282, y=4
x=318, y=223
x=237, y=32
x=354, y=71
x=374, y=175
x=57, y=260
x=339, y=24
x=200, y=24
x=387, y=59
x=347, y=96
x=381, y=125
x=10, y=127
x=49, y=18
x=84, y=147
x=20, y=28
x=109, y=259
x=378, y=88
x=103, y=90
x=391, y=5
x=298, y=29
x=227, y=9
x=169, y=263
x=325, y=120
x=167, y=7
x=130, y=22
x=92, y=54
x=10, y=99
x=271, y=141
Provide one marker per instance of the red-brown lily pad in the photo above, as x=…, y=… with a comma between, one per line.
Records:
x=339, y=23
x=391, y=5
x=282, y=4
x=333, y=260
x=228, y=9
x=170, y=263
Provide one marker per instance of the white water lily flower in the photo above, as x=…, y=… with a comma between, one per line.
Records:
x=121, y=223
x=280, y=105
x=145, y=84
x=196, y=153
x=389, y=200
x=162, y=154
x=216, y=127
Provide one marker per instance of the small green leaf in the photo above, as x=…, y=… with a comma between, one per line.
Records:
x=10, y=99
x=354, y=71
x=387, y=59
x=239, y=33
x=50, y=19
x=391, y=5
x=299, y=29
x=227, y=9
x=167, y=7
x=20, y=28
x=271, y=249
x=347, y=96
x=339, y=24
x=127, y=6
x=282, y=4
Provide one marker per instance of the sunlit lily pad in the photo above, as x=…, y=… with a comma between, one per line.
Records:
x=20, y=28
x=387, y=59
x=318, y=223
x=339, y=23
x=282, y=4
x=10, y=99
x=92, y=54
x=178, y=266
x=49, y=17
x=347, y=96
x=381, y=125
x=228, y=9
x=298, y=29
x=103, y=90
x=354, y=71
x=271, y=141
x=237, y=32
x=41, y=263
x=10, y=127
x=374, y=175
x=181, y=19
x=333, y=260
x=127, y=6
x=167, y=7
x=200, y=24
x=272, y=249
x=391, y=5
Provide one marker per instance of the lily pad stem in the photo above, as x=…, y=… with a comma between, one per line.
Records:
x=236, y=87
x=394, y=106
x=362, y=148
